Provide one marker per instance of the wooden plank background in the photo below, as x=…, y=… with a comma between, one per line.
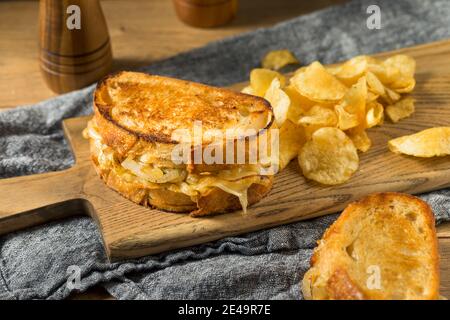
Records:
x=142, y=31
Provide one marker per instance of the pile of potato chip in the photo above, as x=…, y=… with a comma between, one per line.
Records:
x=323, y=112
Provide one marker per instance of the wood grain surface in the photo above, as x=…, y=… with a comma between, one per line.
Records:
x=141, y=32
x=132, y=231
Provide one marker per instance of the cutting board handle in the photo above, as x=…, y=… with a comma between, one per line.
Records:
x=35, y=199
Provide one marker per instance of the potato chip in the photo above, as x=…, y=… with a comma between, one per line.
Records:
x=360, y=139
x=248, y=90
x=374, y=84
x=294, y=110
x=299, y=104
x=390, y=96
x=298, y=71
x=292, y=138
x=329, y=157
x=398, y=69
x=402, y=109
x=319, y=116
x=374, y=115
x=279, y=100
x=427, y=143
x=277, y=59
x=261, y=79
x=371, y=97
x=302, y=101
x=352, y=70
x=333, y=69
x=316, y=84
x=346, y=120
x=309, y=131
x=403, y=85
x=385, y=74
x=351, y=110
x=403, y=63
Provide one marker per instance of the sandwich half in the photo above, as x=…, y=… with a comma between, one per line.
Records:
x=142, y=123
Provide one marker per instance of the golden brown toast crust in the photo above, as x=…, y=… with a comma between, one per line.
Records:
x=123, y=139
x=219, y=201
x=393, y=231
x=162, y=105
x=341, y=287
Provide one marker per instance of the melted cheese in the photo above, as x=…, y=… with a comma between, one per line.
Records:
x=239, y=191
x=237, y=188
x=235, y=181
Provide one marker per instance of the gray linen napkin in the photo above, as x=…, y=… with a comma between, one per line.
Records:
x=266, y=264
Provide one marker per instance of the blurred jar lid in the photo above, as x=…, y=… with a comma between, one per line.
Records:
x=205, y=13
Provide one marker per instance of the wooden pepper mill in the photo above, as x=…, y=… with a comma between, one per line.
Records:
x=205, y=13
x=75, y=50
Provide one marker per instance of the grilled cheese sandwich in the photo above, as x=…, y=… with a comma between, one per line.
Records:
x=132, y=143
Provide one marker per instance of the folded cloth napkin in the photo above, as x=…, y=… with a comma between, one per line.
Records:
x=267, y=264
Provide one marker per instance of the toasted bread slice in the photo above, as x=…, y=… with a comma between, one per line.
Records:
x=381, y=247
x=131, y=106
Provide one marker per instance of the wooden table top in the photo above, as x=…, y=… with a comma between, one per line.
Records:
x=141, y=32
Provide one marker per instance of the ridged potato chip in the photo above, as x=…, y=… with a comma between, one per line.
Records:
x=277, y=59
x=346, y=120
x=299, y=70
x=330, y=157
x=360, y=139
x=292, y=138
x=371, y=97
x=351, y=110
x=385, y=75
x=403, y=85
x=315, y=83
x=400, y=110
x=319, y=116
x=390, y=96
x=333, y=69
x=279, y=100
x=403, y=63
x=352, y=70
x=261, y=79
x=374, y=115
x=374, y=84
x=299, y=104
x=309, y=131
x=433, y=142
x=396, y=72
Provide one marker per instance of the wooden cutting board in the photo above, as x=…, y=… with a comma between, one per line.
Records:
x=130, y=230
